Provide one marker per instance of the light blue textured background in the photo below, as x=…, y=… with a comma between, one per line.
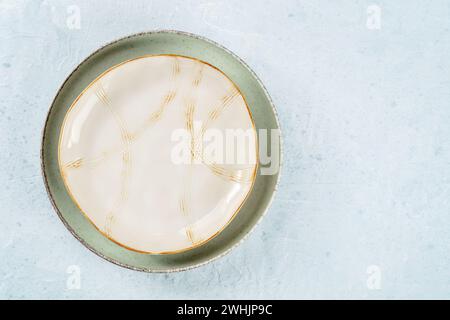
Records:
x=366, y=121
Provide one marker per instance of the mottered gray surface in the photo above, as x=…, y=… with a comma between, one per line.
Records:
x=362, y=89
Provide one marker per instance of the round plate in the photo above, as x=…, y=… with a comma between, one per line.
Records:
x=160, y=43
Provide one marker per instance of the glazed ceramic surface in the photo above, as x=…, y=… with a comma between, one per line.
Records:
x=88, y=72
x=132, y=153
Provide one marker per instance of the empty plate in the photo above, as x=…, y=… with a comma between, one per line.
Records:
x=150, y=151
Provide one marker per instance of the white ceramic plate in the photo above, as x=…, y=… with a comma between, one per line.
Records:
x=134, y=155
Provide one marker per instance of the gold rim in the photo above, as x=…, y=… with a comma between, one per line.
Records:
x=200, y=243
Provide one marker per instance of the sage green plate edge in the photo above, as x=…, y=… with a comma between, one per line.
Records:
x=159, y=42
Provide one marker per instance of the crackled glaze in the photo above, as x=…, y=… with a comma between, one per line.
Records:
x=116, y=153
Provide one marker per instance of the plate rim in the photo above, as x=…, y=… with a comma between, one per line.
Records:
x=144, y=269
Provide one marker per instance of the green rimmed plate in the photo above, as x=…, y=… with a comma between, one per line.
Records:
x=132, y=47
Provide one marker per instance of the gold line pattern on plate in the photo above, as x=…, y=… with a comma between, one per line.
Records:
x=244, y=176
x=155, y=116
x=190, y=234
x=183, y=206
x=175, y=67
x=185, y=197
x=126, y=159
x=75, y=163
x=199, y=77
x=108, y=223
x=190, y=109
x=217, y=111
